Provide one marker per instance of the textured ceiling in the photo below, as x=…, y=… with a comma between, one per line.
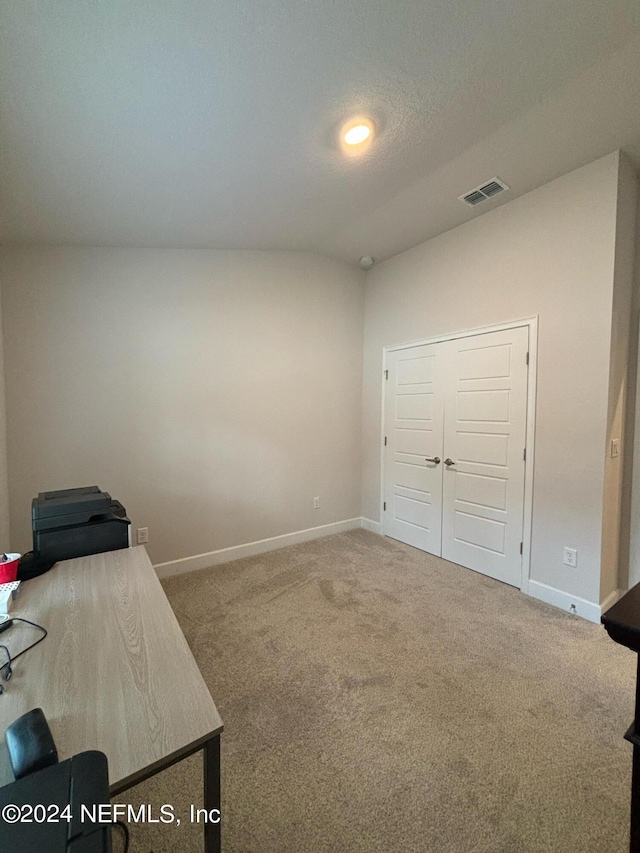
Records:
x=213, y=124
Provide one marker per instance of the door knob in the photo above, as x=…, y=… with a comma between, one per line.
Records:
x=435, y=459
x=448, y=462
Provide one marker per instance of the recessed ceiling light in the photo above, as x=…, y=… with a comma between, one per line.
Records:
x=357, y=132
x=356, y=135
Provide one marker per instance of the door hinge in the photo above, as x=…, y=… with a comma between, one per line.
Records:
x=521, y=547
x=386, y=374
x=385, y=441
x=527, y=358
x=384, y=506
x=524, y=454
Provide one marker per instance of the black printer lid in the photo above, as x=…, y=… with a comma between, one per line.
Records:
x=87, y=499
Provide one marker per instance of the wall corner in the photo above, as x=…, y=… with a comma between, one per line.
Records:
x=618, y=481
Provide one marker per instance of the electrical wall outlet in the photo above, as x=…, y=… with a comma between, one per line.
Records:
x=143, y=535
x=570, y=557
x=316, y=503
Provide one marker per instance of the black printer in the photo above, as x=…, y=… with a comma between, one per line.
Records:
x=73, y=523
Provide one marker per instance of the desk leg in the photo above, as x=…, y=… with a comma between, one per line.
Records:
x=212, y=831
x=634, y=836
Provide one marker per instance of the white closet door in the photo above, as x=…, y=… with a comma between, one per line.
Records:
x=414, y=406
x=484, y=443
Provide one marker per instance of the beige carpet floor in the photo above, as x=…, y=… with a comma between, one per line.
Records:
x=376, y=698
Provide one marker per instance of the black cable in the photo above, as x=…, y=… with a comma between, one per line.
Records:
x=123, y=826
x=11, y=657
x=8, y=663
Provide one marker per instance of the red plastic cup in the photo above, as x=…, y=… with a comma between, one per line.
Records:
x=9, y=568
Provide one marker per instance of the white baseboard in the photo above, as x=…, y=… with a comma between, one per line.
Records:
x=250, y=549
x=572, y=603
x=564, y=600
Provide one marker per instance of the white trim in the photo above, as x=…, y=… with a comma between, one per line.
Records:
x=530, y=444
x=527, y=519
x=587, y=609
x=565, y=601
x=250, y=549
x=466, y=333
x=383, y=427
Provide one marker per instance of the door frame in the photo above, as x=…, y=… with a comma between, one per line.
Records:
x=527, y=520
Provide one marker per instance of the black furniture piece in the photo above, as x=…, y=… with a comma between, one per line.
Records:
x=622, y=623
x=51, y=807
x=30, y=744
x=79, y=781
x=73, y=523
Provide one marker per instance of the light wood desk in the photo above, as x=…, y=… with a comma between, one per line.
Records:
x=115, y=672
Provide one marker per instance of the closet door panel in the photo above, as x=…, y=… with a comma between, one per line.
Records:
x=414, y=420
x=484, y=441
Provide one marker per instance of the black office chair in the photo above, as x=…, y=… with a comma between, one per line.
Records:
x=52, y=805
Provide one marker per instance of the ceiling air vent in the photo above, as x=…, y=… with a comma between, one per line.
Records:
x=492, y=188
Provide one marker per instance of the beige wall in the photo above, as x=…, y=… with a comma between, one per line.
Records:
x=549, y=253
x=5, y=542
x=213, y=393
x=615, y=526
